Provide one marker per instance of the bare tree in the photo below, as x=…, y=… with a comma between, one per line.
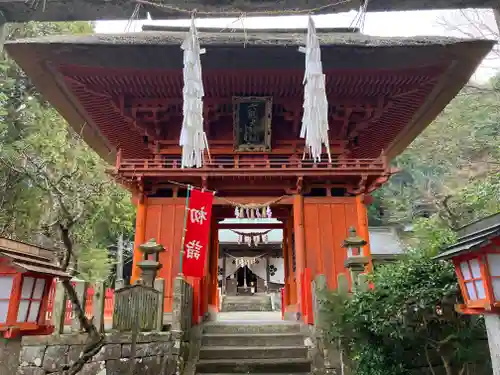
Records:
x=69, y=194
x=474, y=24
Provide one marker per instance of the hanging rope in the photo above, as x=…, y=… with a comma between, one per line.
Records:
x=193, y=139
x=252, y=239
x=285, y=12
x=315, y=117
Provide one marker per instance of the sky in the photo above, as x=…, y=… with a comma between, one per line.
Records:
x=468, y=23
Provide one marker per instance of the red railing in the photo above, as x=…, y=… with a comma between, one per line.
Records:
x=236, y=162
x=68, y=316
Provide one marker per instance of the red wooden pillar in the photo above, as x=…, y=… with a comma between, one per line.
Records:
x=140, y=235
x=286, y=292
x=307, y=293
x=300, y=255
x=292, y=285
x=213, y=267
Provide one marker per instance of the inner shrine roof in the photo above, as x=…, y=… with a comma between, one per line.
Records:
x=83, y=75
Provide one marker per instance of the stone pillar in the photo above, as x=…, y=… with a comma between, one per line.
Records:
x=119, y=283
x=160, y=287
x=81, y=292
x=181, y=322
x=9, y=355
x=356, y=266
x=98, y=305
x=59, y=308
x=492, y=323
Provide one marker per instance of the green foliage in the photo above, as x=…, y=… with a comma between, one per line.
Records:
x=407, y=321
x=38, y=147
x=452, y=168
x=430, y=235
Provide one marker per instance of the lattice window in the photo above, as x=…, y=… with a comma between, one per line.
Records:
x=471, y=272
x=6, y=282
x=494, y=268
x=31, y=299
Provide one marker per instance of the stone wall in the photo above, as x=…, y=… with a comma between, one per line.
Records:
x=42, y=355
x=9, y=355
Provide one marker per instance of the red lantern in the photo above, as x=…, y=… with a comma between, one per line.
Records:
x=26, y=275
x=476, y=258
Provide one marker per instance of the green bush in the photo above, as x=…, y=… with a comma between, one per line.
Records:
x=407, y=321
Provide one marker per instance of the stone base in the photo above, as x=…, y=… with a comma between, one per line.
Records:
x=42, y=355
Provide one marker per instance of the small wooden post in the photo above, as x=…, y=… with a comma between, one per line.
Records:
x=160, y=287
x=81, y=292
x=59, y=309
x=98, y=306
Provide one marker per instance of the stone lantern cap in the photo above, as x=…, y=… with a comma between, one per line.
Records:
x=353, y=240
x=151, y=247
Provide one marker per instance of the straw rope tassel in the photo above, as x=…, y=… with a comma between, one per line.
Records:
x=193, y=139
x=315, y=118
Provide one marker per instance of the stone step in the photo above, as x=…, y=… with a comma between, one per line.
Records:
x=248, y=366
x=246, y=303
x=255, y=297
x=250, y=328
x=296, y=373
x=255, y=352
x=252, y=339
x=240, y=307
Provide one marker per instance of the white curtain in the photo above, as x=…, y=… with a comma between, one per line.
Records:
x=257, y=268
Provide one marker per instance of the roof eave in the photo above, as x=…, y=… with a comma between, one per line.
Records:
x=451, y=83
x=471, y=243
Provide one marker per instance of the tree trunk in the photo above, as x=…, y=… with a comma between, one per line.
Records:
x=77, y=308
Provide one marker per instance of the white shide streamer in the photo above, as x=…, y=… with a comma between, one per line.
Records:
x=315, y=117
x=193, y=139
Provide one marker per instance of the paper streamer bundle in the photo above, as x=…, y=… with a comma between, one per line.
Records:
x=193, y=139
x=315, y=117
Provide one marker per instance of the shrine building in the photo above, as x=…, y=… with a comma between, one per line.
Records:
x=123, y=93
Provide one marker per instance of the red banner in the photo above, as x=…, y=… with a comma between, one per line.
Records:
x=197, y=235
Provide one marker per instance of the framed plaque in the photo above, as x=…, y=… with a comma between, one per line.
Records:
x=252, y=123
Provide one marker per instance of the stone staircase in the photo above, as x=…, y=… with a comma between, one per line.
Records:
x=257, y=302
x=248, y=348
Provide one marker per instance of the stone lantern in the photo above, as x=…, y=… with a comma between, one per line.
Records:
x=355, y=261
x=150, y=264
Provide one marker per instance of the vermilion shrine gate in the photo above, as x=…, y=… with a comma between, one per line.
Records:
x=123, y=93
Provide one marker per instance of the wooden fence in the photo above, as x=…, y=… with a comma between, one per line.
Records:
x=109, y=300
